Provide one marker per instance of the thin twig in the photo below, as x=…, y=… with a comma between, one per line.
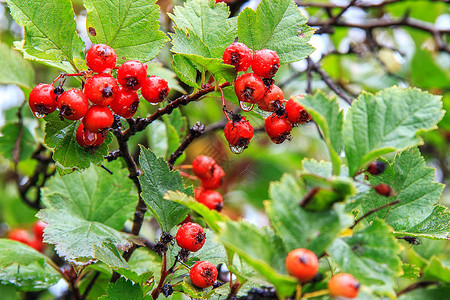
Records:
x=416, y=285
x=194, y=132
x=90, y=285
x=374, y=211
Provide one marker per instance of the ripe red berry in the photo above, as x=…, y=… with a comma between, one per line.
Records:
x=88, y=139
x=191, y=237
x=131, y=74
x=215, y=181
x=203, y=274
x=73, y=104
x=239, y=56
x=376, y=167
x=37, y=244
x=42, y=100
x=20, y=235
x=302, y=264
x=238, y=133
x=38, y=229
x=272, y=100
x=97, y=119
x=203, y=166
x=125, y=103
x=249, y=88
x=211, y=199
x=278, y=128
x=154, y=89
x=101, y=57
x=101, y=88
x=384, y=190
x=343, y=285
x=265, y=63
x=296, y=113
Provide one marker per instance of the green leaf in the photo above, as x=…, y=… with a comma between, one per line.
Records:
x=372, y=256
x=185, y=70
x=25, y=268
x=436, y=270
x=124, y=289
x=410, y=271
x=212, y=251
x=131, y=27
x=68, y=154
x=158, y=69
x=10, y=133
x=85, y=210
x=207, y=24
x=109, y=254
x=413, y=183
x=277, y=25
x=429, y=294
x=318, y=229
x=388, y=121
x=329, y=118
x=15, y=70
x=262, y=250
x=156, y=180
x=211, y=217
x=50, y=36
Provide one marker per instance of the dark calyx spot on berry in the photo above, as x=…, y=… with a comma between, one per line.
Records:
x=356, y=286
x=92, y=31
x=235, y=58
x=243, y=143
x=65, y=112
x=248, y=93
x=208, y=274
x=104, y=51
x=268, y=82
x=107, y=92
x=132, y=82
x=282, y=137
x=219, y=206
x=166, y=238
x=273, y=70
x=376, y=167
x=133, y=107
x=163, y=94
x=280, y=111
x=183, y=255
x=304, y=117
x=236, y=118
x=167, y=290
x=41, y=109
x=303, y=259
x=58, y=91
x=199, y=238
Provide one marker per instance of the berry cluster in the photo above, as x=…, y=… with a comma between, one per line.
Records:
x=258, y=88
x=211, y=176
x=106, y=94
x=303, y=264
x=34, y=241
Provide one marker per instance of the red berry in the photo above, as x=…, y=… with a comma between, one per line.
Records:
x=42, y=100
x=37, y=244
x=265, y=63
x=155, y=89
x=38, y=229
x=216, y=179
x=191, y=237
x=238, y=133
x=203, y=166
x=249, y=88
x=239, y=56
x=296, y=113
x=343, y=285
x=278, y=128
x=376, y=167
x=211, y=199
x=125, y=103
x=88, y=139
x=101, y=57
x=203, y=274
x=20, y=235
x=302, y=264
x=272, y=100
x=384, y=190
x=98, y=119
x=73, y=104
x=132, y=74
x=101, y=88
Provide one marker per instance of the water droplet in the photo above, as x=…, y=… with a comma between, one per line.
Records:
x=38, y=115
x=237, y=149
x=153, y=103
x=245, y=106
x=89, y=138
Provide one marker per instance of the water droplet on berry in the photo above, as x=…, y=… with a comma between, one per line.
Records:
x=245, y=106
x=89, y=137
x=237, y=149
x=39, y=115
x=154, y=104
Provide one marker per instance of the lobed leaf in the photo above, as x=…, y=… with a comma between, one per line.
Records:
x=124, y=289
x=15, y=70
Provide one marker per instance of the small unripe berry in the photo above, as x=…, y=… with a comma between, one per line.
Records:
x=296, y=113
x=131, y=74
x=211, y=199
x=101, y=88
x=384, y=190
x=343, y=285
x=191, y=237
x=376, y=167
x=277, y=127
x=265, y=63
x=125, y=103
x=203, y=274
x=238, y=55
x=249, y=88
x=101, y=57
x=155, y=89
x=73, y=104
x=42, y=100
x=302, y=264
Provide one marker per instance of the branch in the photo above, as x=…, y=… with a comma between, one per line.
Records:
x=374, y=211
x=195, y=131
x=331, y=5
x=416, y=285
